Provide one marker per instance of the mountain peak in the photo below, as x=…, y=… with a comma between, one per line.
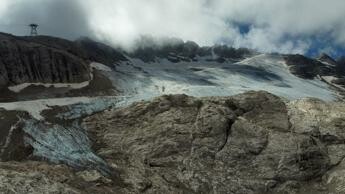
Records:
x=326, y=58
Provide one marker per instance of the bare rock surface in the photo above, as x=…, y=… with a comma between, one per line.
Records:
x=251, y=143
x=40, y=177
x=22, y=60
x=248, y=143
x=48, y=60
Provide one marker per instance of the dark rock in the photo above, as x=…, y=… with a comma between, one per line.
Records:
x=326, y=58
x=224, y=51
x=341, y=65
x=23, y=61
x=50, y=60
x=307, y=68
x=178, y=51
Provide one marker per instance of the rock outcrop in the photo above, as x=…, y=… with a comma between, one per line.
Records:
x=39, y=177
x=50, y=60
x=249, y=143
x=26, y=61
x=324, y=65
x=341, y=65
x=308, y=68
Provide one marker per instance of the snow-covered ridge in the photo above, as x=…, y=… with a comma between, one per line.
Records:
x=98, y=66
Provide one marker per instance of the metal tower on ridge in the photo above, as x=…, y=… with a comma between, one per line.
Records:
x=33, y=29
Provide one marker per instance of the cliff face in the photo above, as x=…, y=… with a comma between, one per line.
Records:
x=27, y=61
x=50, y=60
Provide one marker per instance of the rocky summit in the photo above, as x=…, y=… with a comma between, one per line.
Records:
x=251, y=143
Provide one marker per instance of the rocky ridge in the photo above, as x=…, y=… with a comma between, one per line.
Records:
x=176, y=50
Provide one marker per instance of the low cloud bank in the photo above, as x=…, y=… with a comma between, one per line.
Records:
x=286, y=26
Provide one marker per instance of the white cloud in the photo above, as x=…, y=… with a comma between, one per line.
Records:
x=124, y=21
x=3, y=7
x=121, y=22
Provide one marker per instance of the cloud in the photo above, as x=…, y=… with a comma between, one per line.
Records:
x=287, y=26
x=123, y=21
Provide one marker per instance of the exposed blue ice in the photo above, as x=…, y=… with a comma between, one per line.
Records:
x=63, y=144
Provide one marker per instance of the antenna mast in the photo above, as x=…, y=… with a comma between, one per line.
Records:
x=33, y=29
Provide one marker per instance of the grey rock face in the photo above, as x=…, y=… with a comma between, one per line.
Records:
x=50, y=60
x=249, y=143
x=307, y=68
x=341, y=65
x=324, y=65
x=25, y=61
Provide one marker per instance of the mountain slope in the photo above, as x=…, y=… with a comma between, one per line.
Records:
x=89, y=130
x=54, y=67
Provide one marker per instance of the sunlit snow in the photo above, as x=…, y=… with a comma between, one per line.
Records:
x=205, y=78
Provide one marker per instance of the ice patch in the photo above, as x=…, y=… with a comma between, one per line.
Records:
x=58, y=144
